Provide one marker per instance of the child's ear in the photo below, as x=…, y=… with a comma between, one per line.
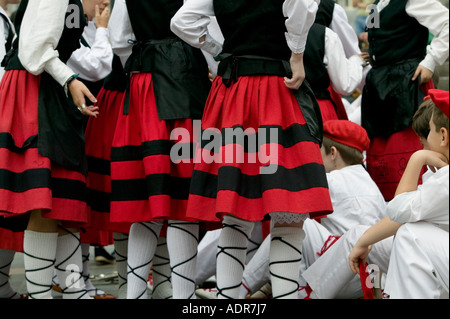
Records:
x=444, y=136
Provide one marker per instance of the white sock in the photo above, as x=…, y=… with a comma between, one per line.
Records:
x=285, y=257
x=91, y=289
x=6, y=259
x=39, y=260
x=69, y=267
x=142, y=243
x=121, y=249
x=231, y=255
x=182, y=243
x=162, y=286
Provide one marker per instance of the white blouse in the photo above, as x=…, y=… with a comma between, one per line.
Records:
x=94, y=63
x=190, y=23
x=41, y=30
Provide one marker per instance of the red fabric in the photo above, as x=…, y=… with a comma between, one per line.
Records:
x=347, y=133
x=11, y=240
x=387, y=159
x=251, y=103
x=365, y=278
x=19, y=119
x=139, y=126
x=327, y=110
x=96, y=237
x=340, y=108
x=440, y=99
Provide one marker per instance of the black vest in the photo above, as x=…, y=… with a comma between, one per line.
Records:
x=399, y=37
x=151, y=19
x=324, y=15
x=316, y=72
x=251, y=29
x=117, y=79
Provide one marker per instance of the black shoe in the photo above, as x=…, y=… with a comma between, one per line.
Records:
x=102, y=256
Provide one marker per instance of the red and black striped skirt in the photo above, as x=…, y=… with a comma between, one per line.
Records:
x=99, y=136
x=28, y=180
x=256, y=155
x=146, y=184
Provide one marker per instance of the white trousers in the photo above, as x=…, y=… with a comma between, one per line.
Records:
x=330, y=276
x=419, y=265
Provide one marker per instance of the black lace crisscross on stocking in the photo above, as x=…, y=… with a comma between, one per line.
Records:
x=132, y=270
x=46, y=287
x=165, y=261
x=174, y=272
x=286, y=262
x=224, y=250
x=80, y=279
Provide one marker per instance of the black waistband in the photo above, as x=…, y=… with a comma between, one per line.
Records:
x=232, y=67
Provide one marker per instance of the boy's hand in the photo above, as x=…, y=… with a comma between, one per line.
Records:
x=359, y=253
x=298, y=72
x=430, y=158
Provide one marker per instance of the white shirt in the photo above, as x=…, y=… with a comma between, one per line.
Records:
x=94, y=63
x=4, y=33
x=190, y=23
x=356, y=200
x=429, y=203
x=435, y=16
x=41, y=30
x=345, y=74
x=340, y=25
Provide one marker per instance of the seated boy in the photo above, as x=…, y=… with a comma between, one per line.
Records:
x=330, y=275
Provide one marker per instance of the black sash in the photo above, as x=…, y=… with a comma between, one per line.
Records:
x=179, y=74
x=390, y=98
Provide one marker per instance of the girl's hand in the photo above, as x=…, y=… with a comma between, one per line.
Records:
x=79, y=91
x=298, y=72
x=425, y=74
x=102, y=19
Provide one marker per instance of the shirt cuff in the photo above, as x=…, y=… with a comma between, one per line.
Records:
x=103, y=32
x=296, y=43
x=58, y=70
x=211, y=46
x=429, y=63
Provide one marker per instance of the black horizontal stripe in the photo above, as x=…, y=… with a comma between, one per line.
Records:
x=99, y=201
x=41, y=178
x=99, y=166
x=149, y=148
x=69, y=189
x=252, y=186
x=27, y=180
x=287, y=137
x=155, y=184
x=7, y=141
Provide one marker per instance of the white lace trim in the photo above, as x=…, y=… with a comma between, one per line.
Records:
x=287, y=218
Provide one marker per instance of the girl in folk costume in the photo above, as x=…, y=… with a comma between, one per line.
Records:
x=93, y=62
x=168, y=89
x=257, y=89
x=42, y=154
x=11, y=234
x=402, y=68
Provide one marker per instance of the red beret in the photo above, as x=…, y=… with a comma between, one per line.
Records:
x=347, y=133
x=440, y=98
